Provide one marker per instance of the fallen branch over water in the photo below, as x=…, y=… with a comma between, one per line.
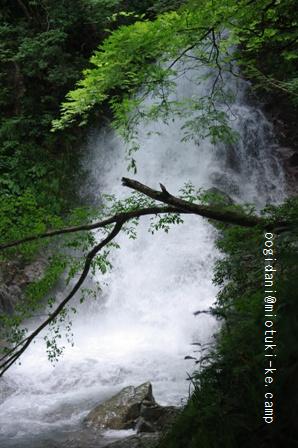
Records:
x=173, y=205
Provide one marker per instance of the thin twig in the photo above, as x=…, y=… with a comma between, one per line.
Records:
x=174, y=205
x=9, y=360
x=93, y=226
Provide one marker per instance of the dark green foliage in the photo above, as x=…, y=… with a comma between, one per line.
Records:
x=44, y=46
x=227, y=405
x=141, y=60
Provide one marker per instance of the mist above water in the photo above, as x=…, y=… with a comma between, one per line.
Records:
x=143, y=324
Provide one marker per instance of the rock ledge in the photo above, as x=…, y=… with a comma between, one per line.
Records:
x=132, y=408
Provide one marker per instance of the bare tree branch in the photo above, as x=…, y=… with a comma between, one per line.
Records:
x=174, y=205
x=191, y=47
x=93, y=226
x=15, y=353
x=207, y=211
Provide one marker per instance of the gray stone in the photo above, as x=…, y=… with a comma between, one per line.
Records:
x=132, y=408
x=138, y=441
x=122, y=410
x=220, y=197
x=156, y=417
x=9, y=297
x=144, y=426
x=15, y=277
x=34, y=271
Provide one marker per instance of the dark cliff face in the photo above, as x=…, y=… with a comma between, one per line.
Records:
x=15, y=276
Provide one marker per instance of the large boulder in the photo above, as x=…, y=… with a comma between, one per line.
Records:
x=122, y=410
x=132, y=408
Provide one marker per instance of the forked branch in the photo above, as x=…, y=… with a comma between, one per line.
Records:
x=173, y=205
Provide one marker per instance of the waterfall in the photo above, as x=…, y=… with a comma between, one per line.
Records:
x=143, y=324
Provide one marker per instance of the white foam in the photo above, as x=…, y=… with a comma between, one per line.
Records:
x=143, y=325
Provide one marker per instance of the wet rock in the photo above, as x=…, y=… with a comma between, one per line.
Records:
x=132, y=408
x=224, y=182
x=9, y=297
x=122, y=410
x=14, y=278
x=34, y=271
x=143, y=426
x=220, y=197
x=83, y=439
x=138, y=441
x=154, y=417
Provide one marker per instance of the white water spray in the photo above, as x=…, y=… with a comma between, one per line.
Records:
x=143, y=325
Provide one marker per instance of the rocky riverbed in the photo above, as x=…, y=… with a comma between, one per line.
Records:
x=129, y=419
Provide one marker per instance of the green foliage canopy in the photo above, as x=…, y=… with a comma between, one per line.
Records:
x=141, y=60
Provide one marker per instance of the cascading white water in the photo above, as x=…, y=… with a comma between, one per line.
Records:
x=143, y=324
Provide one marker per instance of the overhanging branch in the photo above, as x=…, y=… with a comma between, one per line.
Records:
x=96, y=225
x=173, y=205
x=207, y=211
x=11, y=357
